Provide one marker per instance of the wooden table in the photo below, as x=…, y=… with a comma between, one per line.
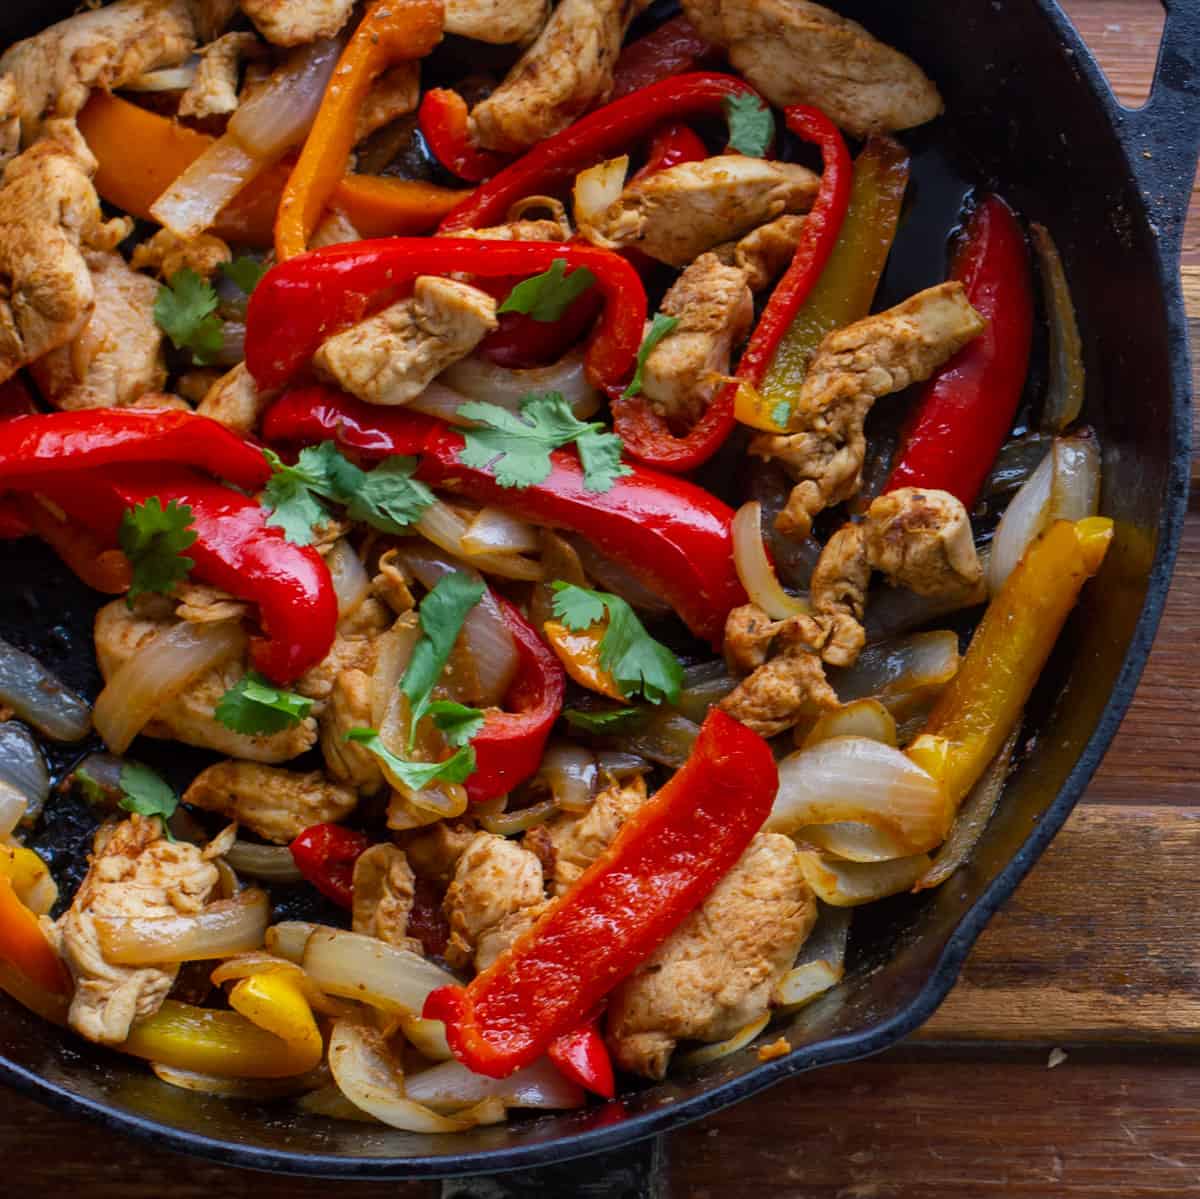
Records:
x=1099, y=961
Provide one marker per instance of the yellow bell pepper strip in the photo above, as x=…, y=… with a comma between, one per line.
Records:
x=276, y=1002
x=392, y=31
x=24, y=945
x=579, y=652
x=30, y=877
x=980, y=706
x=846, y=289
x=376, y=206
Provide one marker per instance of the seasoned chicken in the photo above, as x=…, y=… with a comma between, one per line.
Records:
x=117, y=357
x=55, y=71
x=383, y=896
x=749, y=632
x=198, y=603
x=212, y=17
x=795, y=52
x=297, y=22
x=676, y=214
x=10, y=121
x=392, y=357
x=391, y=584
x=214, y=91
x=166, y=254
x=134, y=871
x=714, y=309
x=494, y=880
x=852, y=368
x=568, y=70
x=353, y=649
x=433, y=852
x=276, y=804
x=539, y=230
x=120, y=633
x=349, y=708
x=715, y=973
x=235, y=401
x=394, y=94
x=766, y=252
x=501, y=22
x=335, y=229
x=838, y=591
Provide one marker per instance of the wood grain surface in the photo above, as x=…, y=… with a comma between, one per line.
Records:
x=1096, y=954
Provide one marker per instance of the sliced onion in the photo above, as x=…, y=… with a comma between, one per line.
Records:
x=477, y=379
x=894, y=669
x=820, y=963
x=392, y=655
x=105, y=771
x=233, y=344
x=350, y=580
x=863, y=781
x=194, y=200
x=755, y=570
x=802, y=984
x=1067, y=384
x=1075, y=492
x=246, y=965
x=169, y=79
x=364, y=968
x=859, y=718
x=665, y=737
x=157, y=673
x=1018, y=458
x=23, y=767
x=508, y=824
x=852, y=841
x=494, y=531
x=571, y=774
x=703, y=687
x=271, y=863
x=223, y=928
x=849, y=884
x=428, y=1038
x=441, y=401
x=598, y=188
x=443, y=526
x=38, y=698
x=712, y=1053
x=13, y=805
x=451, y=1087
x=616, y=765
x=289, y=939
x=231, y=1088
x=614, y=577
x=330, y=1103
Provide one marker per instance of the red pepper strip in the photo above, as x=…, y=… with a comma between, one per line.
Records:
x=671, y=145
x=645, y=433
x=98, y=563
x=443, y=123
x=521, y=343
x=45, y=445
x=967, y=408
x=674, y=47
x=325, y=854
x=553, y=165
x=582, y=1057
x=670, y=533
x=307, y=299
x=508, y=749
x=662, y=864
x=427, y=921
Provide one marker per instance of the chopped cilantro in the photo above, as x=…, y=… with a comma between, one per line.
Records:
x=601, y=722
x=546, y=297
x=153, y=538
x=253, y=705
x=751, y=124
x=91, y=789
x=186, y=310
x=147, y=794
x=457, y=723
x=417, y=775
x=389, y=498
x=659, y=328
x=245, y=272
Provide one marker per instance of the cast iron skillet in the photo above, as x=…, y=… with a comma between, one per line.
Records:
x=1030, y=113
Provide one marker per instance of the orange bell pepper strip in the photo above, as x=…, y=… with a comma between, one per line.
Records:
x=375, y=205
x=983, y=702
x=24, y=945
x=579, y=652
x=392, y=31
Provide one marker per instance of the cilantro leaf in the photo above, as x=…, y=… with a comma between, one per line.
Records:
x=659, y=328
x=457, y=722
x=147, y=794
x=455, y=769
x=388, y=497
x=751, y=124
x=90, y=788
x=602, y=723
x=186, y=311
x=516, y=448
x=253, y=705
x=245, y=272
x=546, y=297
x=441, y=614
x=153, y=538
x=635, y=660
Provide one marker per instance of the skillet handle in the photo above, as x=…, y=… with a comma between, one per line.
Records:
x=1162, y=138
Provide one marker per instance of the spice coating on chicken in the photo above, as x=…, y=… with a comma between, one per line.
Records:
x=500, y=22
x=166, y=254
x=393, y=95
x=297, y=22
x=214, y=91
x=838, y=591
x=384, y=888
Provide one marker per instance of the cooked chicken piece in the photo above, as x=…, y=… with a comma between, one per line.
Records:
x=296, y=22
x=349, y=708
x=493, y=879
x=500, y=22
x=392, y=357
x=117, y=357
x=393, y=95
x=198, y=603
x=676, y=214
x=353, y=649
x=166, y=254
x=391, y=584
x=214, y=91
x=690, y=364
x=383, y=896
x=335, y=229
x=500, y=937
x=120, y=633
x=852, y=368
x=55, y=71
x=235, y=401
x=134, y=871
x=838, y=591
x=567, y=845
x=568, y=70
x=276, y=804
x=433, y=852
x=715, y=973
x=800, y=53
x=749, y=632
x=539, y=230
x=10, y=121
x=212, y=17
x=766, y=252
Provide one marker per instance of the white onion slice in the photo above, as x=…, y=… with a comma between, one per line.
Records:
x=392, y=655
x=1075, y=492
x=802, y=984
x=159, y=672
x=509, y=824
x=427, y=1037
x=704, y=686
x=476, y=379
x=23, y=767
x=612, y=576
x=350, y=580
x=712, y=1053
x=169, y=79
x=849, y=884
x=754, y=569
x=451, y=1087
x=364, y=968
x=271, y=863
x=231, y=1088
x=859, y=718
x=853, y=842
x=570, y=772
x=820, y=963
x=289, y=939
x=493, y=530
x=665, y=737
x=892, y=670
x=598, y=188
x=443, y=526
x=616, y=765
x=39, y=698
x=12, y=808
x=194, y=200
x=856, y=779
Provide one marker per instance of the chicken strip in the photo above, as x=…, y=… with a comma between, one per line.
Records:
x=568, y=70
x=766, y=252
x=795, y=52
x=715, y=973
x=500, y=22
x=277, y=805
x=675, y=215
x=297, y=22
x=235, y=401
x=852, y=368
x=392, y=357
x=393, y=95
x=134, y=871
x=353, y=649
x=212, y=17
x=10, y=121
x=433, y=852
x=349, y=708
x=55, y=71
x=838, y=591
x=384, y=887
x=166, y=254
x=117, y=357
x=214, y=91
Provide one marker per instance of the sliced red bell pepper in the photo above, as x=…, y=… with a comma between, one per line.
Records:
x=508, y=749
x=582, y=1056
x=672, y=48
x=966, y=410
x=522, y=343
x=443, y=123
x=325, y=854
x=302, y=302
x=644, y=431
x=670, y=533
x=663, y=863
x=671, y=145
x=101, y=566
x=552, y=166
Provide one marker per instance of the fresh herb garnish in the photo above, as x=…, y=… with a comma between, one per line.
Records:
x=456, y=722
x=254, y=705
x=602, y=723
x=751, y=124
x=546, y=297
x=245, y=272
x=147, y=794
x=660, y=326
x=417, y=775
x=153, y=538
x=186, y=310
